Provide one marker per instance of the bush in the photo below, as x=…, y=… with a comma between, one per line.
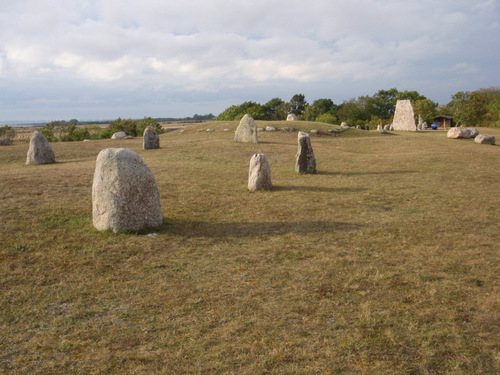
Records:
x=328, y=118
x=7, y=131
x=133, y=127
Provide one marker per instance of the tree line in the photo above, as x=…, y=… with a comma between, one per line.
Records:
x=476, y=108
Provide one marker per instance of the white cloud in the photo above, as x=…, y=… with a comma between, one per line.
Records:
x=233, y=45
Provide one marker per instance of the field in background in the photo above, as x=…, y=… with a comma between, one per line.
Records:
x=385, y=262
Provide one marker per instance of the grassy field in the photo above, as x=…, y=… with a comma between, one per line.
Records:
x=385, y=262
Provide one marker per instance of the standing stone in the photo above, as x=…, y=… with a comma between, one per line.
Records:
x=305, y=160
x=5, y=141
x=404, y=117
x=387, y=127
x=485, y=139
x=124, y=193
x=247, y=130
x=291, y=117
x=40, y=151
x=150, y=139
x=368, y=127
x=259, y=173
x=344, y=125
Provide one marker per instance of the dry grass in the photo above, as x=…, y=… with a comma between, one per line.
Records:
x=386, y=262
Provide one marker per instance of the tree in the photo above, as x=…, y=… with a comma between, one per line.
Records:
x=413, y=96
x=297, y=104
x=426, y=108
x=467, y=107
x=384, y=103
x=275, y=109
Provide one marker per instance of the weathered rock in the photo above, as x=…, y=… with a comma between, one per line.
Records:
x=40, y=151
x=5, y=141
x=305, y=160
x=314, y=131
x=124, y=192
x=420, y=122
x=387, y=127
x=260, y=129
x=473, y=132
x=209, y=130
x=358, y=127
x=150, y=139
x=485, y=139
x=288, y=129
x=454, y=133
x=344, y=125
x=291, y=117
x=247, y=130
x=259, y=173
x=334, y=131
x=368, y=127
x=466, y=133
x=404, y=118
x=381, y=129
x=119, y=135
x=270, y=129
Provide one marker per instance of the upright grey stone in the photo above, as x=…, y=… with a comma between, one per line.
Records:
x=150, y=139
x=368, y=127
x=247, y=130
x=259, y=173
x=305, y=160
x=40, y=151
x=5, y=141
x=404, y=117
x=124, y=193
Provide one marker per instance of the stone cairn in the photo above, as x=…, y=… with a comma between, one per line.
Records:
x=125, y=195
x=259, y=173
x=247, y=130
x=305, y=160
x=40, y=151
x=150, y=139
x=404, y=117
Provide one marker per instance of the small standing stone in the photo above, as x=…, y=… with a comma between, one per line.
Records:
x=125, y=195
x=247, y=130
x=259, y=173
x=344, y=125
x=368, y=127
x=5, y=141
x=291, y=117
x=40, y=151
x=150, y=139
x=305, y=160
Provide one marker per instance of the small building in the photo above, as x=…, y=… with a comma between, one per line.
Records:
x=443, y=121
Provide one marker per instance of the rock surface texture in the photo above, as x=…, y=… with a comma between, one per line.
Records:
x=124, y=193
x=40, y=151
x=259, y=173
x=5, y=141
x=485, y=139
x=305, y=160
x=291, y=117
x=150, y=139
x=454, y=133
x=247, y=130
x=404, y=117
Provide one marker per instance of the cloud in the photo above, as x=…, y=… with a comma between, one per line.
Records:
x=225, y=47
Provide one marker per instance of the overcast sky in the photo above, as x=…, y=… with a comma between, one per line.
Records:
x=92, y=59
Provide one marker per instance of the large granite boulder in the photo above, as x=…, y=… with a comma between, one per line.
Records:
x=485, y=139
x=454, y=133
x=119, y=135
x=291, y=117
x=150, y=139
x=40, y=151
x=259, y=173
x=247, y=130
x=125, y=195
x=305, y=160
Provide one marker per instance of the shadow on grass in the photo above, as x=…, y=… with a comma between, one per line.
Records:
x=325, y=173
x=317, y=189
x=222, y=230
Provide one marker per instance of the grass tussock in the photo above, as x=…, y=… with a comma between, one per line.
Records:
x=385, y=262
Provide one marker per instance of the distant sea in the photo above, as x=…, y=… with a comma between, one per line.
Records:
x=22, y=124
